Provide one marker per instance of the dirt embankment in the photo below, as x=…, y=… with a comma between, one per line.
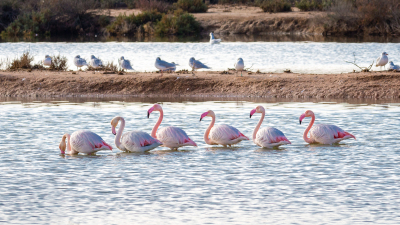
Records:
x=374, y=85
x=252, y=20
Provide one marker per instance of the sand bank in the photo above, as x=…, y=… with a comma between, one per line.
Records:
x=372, y=85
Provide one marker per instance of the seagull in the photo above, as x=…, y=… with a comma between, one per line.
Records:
x=213, y=40
x=239, y=65
x=125, y=64
x=164, y=66
x=393, y=67
x=196, y=64
x=382, y=60
x=79, y=62
x=47, y=61
x=95, y=62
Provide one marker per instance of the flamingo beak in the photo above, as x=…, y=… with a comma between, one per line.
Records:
x=113, y=130
x=302, y=117
x=150, y=111
x=203, y=115
x=252, y=112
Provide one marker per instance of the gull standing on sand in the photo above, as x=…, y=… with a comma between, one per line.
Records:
x=79, y=62
x=213, y=40
x=393, y=67
x=95, y=62
x=196, y=64
x=239, y=66
x=382, y=60
x=125, y=64
x=47, y=61
x=164, y=66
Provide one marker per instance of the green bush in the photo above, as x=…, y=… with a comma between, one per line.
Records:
x=28, y=24
x=124, y=24
x=192, y=6
x=274, y=6
x=180, y=23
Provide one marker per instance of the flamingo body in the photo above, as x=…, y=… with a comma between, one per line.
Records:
x=174, y=137
x=133, y=141
x=84, y=142
x=322, y=133
x=226, y=135
x=171, y=137
x=269, y=137
x=138, y=141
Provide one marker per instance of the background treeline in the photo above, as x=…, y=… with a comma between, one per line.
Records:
x=166, y=17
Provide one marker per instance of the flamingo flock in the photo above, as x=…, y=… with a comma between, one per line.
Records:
x=172, y=137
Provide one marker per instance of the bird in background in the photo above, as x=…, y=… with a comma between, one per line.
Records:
x=95, y=62
x=47, y=61
x=196, y=64
x=79, y=62
x=382, y=60
x=239, y=66
x=171, y=137
x=133, y=141
x=164, y=66
x=125, y=64
x=83, y=142
x=267, y=137
x=322, y=133
x=393, y=67
x=213, y=40
x=223, y=134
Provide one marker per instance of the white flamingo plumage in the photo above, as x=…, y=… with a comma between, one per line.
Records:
x=47, y=61
x=83, y=142
x=133, y=141
x=322, y=133
x=171, y=137
x=221, y=134
x=267, y=137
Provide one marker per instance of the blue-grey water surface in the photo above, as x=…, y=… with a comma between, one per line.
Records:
x=356, y=182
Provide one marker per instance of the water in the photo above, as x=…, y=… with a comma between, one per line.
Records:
x=352, y=183
x=299, y=57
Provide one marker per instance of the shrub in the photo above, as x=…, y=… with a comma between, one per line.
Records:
x=192, y=6
x=274, y=6
x=59, y=63
x=24, y=62
x=313, y=5
x=127, y=24
x=180, y=23
x=153, y=5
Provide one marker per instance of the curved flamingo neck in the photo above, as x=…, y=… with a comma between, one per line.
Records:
x=155, y=128
x=119, y=134
x=258, y=126
x=308, y=140
x=206, y=139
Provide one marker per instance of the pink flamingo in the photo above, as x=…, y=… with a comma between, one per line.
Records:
x=322, y=133
x=83, y=142
x=221, y=134
x=134, y=141
x=269, y=136
x=171, y=137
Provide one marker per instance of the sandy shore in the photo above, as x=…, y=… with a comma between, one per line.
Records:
x=373, y=85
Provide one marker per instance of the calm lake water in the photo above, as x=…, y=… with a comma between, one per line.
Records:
x=356, y=182
x=301, y=55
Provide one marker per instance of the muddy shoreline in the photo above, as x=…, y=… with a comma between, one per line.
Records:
x=372, y=85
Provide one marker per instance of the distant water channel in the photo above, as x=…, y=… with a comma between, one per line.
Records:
x=356, y=182
x=300, y=54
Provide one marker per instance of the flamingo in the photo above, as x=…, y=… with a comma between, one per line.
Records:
x=171, y=137
x=382, y=60
x=322, y=133
x=269, y=136
x=221, y=134
x=47, y=61
x=83, y=142
x=134, y=141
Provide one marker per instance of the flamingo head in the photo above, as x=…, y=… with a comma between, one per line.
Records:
x=258, y=109
x=209, y=113
x=308, y=113
x=384, y=53
x=63, y=145
x=155, y=107
x=114, y=123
